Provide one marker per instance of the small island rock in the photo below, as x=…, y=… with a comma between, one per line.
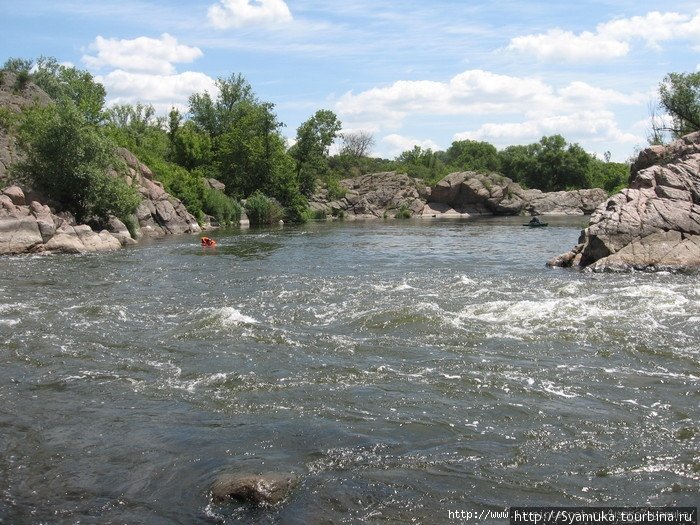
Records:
x=259, y=489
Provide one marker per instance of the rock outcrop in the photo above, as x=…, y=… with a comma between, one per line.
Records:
x=460, y=194
x=470, y=193
x=376, y=195
x=159, y=212
x=34, y=228
x=13, y=98
x=652, y=225
x=259, y=489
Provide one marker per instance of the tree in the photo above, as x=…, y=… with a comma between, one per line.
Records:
x=356, y=144
x=314, y=138
x=217, y=116
x=472, y=155
x=63, y=83
x=69, y=159
x=679, y=95
x=548, y=165
x=422, y=163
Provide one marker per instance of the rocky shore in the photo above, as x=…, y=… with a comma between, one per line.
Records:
x=652, y=225
x=461, y=194
x=29, y=225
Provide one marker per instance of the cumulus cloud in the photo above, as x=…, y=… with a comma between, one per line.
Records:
x=145, y=54
x=162, y=91
x=558, y=45
x=505, y=109
x=475, y=92
x=611, y=39
x=240, y=13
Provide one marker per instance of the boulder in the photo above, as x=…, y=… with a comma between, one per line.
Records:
x=655, y=223
x=576, y=202
x=15, y=194
x=259, y=489
x=119, y=230
x=34, y=228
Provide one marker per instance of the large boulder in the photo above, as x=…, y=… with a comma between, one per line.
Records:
x=260, y=489
x=655, y=223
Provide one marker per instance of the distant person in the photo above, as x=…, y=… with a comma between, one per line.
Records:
x=535, y=221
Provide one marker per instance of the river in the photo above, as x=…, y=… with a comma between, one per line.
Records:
x=400, y=369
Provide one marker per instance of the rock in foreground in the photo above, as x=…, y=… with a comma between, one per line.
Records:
x=652, y=225
x=259, y=489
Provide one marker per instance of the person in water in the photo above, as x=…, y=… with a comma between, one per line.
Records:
x=206, y=241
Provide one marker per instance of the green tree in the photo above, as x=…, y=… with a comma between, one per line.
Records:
x=422, y=163
x=549, y=165
x=247, y=149
x=472, y=155
x=679, y=95
x=191, y=147
x=314, y=138
x=69, y=159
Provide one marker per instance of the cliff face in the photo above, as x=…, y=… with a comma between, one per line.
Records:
x=652, y=225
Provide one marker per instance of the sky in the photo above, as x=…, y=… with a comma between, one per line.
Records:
x=410, y=72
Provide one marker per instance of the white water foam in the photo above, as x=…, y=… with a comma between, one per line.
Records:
x=230, y=315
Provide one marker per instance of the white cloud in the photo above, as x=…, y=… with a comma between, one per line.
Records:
x=593, y=126
x=611, y=39
x=475, y=93
x=162, y=91
x=240, y=13
x=393, y=145
x=144, y=54
x=558, y=45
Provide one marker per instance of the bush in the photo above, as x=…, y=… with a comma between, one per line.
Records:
x=21, y=81
x=223, y=208
x=261, y=209
x=69, y=159
x=335, y=190
x=404, y=212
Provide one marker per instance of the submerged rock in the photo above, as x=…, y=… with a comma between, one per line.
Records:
x=259, y=489
x=652, y=225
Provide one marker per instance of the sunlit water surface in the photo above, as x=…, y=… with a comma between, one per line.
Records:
x=401, y=369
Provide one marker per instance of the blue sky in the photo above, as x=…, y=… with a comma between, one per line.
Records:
x=410, y=72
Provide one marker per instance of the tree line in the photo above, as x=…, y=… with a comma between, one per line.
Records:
x=236, y=138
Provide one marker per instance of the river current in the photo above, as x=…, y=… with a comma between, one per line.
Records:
x=402, y=370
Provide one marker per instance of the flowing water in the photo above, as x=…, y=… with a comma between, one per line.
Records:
x=402, y=370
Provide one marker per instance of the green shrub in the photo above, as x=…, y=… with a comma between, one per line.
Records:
x=261, y=209
x=21, y=81
x=223, y=208
x=404, y=212
x=296, y=209
x=68, y=159
x=335, y=190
